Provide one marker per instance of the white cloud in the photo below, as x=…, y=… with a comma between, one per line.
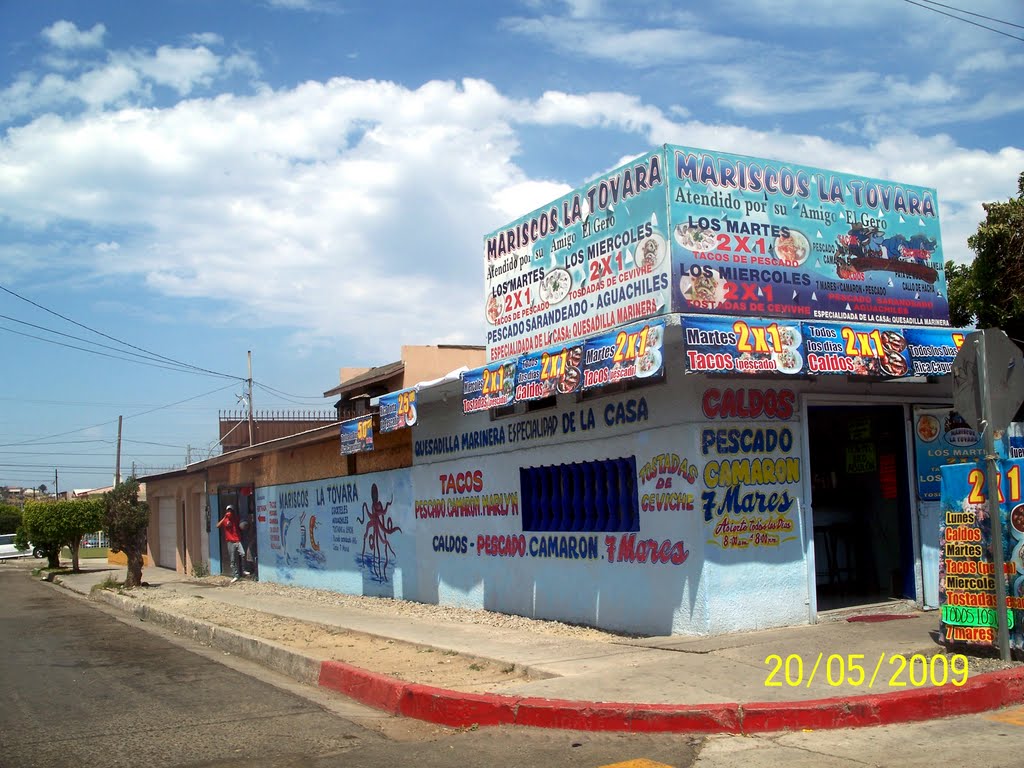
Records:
x=206, y=38
x=66, y=35
x=346, y=205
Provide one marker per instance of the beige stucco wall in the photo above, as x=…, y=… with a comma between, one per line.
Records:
x=425, y=363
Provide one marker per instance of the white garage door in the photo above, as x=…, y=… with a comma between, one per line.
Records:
x=167, y=556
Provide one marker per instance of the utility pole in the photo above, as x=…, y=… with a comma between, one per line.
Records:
x=56, y=487
x=117, y=466
x=250, y=396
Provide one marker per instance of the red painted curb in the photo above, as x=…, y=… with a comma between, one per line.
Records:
x=982, y=693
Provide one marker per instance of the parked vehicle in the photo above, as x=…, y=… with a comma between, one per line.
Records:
x=9, y=552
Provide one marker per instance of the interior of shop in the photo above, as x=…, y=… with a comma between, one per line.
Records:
x=863, y=539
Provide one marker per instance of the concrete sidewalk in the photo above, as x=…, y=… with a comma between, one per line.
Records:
x=834, y=674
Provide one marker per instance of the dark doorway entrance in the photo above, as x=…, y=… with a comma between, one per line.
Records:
x=863, y=537
x=244, y=501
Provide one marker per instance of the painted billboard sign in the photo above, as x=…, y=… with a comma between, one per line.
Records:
x=966, y=572
x=397, y=410
x=941, y=436
x=763, y=238
x=691, y=231
x=357, y=435
x=594, y=259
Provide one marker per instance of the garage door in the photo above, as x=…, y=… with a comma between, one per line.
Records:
x=167, y=555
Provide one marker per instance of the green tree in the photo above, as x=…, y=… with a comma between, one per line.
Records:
x=988, y=291
x=10, y=518
x=126, y=521
x=57, y=524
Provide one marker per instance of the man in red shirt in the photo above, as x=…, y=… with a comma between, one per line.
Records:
x=233, y=538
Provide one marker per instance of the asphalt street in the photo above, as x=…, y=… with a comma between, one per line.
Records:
x=87, y=685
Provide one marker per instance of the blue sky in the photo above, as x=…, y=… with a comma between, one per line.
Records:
x=311, y=180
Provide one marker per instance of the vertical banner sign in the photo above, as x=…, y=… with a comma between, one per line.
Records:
x=742, y=345
x=397, y=410
x=634, y=352
x=764, y=238
x=551, y=371
x=941, y=436
x=492, y=386
x=966, y=572
x=856, y=350
x=357, y=435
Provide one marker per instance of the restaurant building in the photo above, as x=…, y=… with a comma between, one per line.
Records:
x=715, y=398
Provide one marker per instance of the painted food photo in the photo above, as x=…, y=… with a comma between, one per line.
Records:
x=792, y=249
x=893, y=341
x=555, y=286
x=927, y=428
x=1017, y=521
x=789, y=361
x=648, y=363
x=695, y=239
x=704, y=290
x=493, y=309
x=893, y=364
x=650, y=252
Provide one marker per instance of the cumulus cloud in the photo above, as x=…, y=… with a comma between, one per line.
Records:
x=66, y=35
x=337, y=206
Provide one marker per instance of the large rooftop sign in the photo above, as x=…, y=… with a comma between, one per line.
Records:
x=690, y=231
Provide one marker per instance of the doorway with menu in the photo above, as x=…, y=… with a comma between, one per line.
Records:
x=861, y=506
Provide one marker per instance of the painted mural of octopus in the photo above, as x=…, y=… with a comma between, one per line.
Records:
x=378, y=528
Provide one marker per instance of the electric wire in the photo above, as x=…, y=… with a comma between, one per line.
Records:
x=79, y=338
x=119, y=341
x=965, y=21
x=970, y=13
x=32, y=441
x=101, y=354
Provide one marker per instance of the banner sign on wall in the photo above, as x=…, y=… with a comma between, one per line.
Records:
x=742, y=345
x=492, y=386
x=933, y=350
x=941, y=436
x=856, y=350
x=550, y=371
x=633, y=352
x=764, y=238
x=397, y=410
x=357, y=435
x=966, y=572
x=765, y=346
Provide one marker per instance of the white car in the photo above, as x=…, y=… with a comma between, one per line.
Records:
x=8, y=552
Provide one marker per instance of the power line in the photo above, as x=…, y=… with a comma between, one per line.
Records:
x=119, y=341
x=96, y=352
x=32, y=441
x=287, y=395
x=965, y=21
x=969, y=13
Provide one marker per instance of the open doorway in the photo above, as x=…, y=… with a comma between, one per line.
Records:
x=243, y=500
x=863, y=536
